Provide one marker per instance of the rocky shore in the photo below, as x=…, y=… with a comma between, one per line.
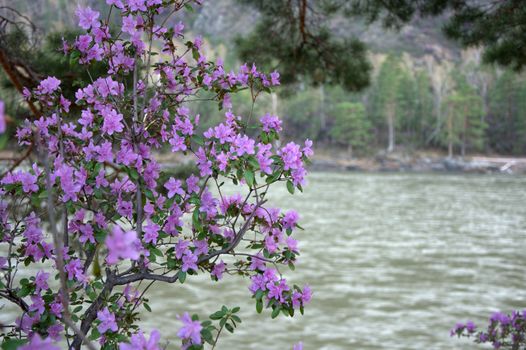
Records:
x=420, y=163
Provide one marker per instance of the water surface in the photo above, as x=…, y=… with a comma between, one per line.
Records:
x=394, y=261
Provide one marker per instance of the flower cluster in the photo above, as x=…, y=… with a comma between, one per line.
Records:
x=116, y=217
x=503, y=331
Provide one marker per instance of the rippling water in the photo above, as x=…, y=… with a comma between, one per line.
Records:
x=394, y=261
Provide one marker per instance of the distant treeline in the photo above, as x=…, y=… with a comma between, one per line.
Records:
x=461, y=109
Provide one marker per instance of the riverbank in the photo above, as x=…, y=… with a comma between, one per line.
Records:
x=335, y=160
x=421, y=162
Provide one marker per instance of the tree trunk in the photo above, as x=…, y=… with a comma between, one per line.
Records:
x=323, y=117
x=464, y=131
x=274, y=97
x=390, y=128
x=450, y=133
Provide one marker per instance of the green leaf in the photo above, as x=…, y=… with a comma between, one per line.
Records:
x=290, y=187
x=147, y=307
x=229, y=328
x=200, y=140
x=13, y=344
x=77, y=309
x=275, y=312
x=217, y=315
x=236, y=309
x=182, y=276
x=259, y=306
x=207, y=336
x=249, y=177
x=196, y=220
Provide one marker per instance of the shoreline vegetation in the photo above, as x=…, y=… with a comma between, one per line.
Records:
x=398, y=161
x=418, y=162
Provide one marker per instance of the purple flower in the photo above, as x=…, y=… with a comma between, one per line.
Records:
x=87, y=17
x=276, y=290
x=86, y=231
x=29, y=182
x=48, y=85
x=270, y=122
x=274, y=80
x=257, y=263
x=37, y=343
x=178, y=143
x=174, y=187
x=107, y=321
x=138, y=342
x=41, y=281
x=55, y=330
x=298, y=346
x=306, y=295
x=201, y=247
x=291, y=155
x=290, y=219
x=181, y=247
x=243, y=145
x=151, y=232
x=122, y=245
x=258, y=283
x=192, y=184
x=37, y=305
x=75, y=270
x=208, y=204
x=112, y=121
x=218, y=270
x=191, y=330
x=189, y=261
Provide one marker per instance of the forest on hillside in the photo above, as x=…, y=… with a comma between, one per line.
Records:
x=424, y=93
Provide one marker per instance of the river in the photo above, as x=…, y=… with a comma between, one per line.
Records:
x=394, y=260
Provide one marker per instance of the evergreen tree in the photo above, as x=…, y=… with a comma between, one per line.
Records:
x=424, y=110
x=294, y=38
x=507, y=114
x=464, y=125
x=350, y=126
x=385, y=98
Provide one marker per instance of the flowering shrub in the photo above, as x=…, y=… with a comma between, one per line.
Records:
x=101, y=215
x=503, y=332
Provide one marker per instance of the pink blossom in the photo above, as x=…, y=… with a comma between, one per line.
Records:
x=151, y=232
x=191, y=330
x=298, y=346
x=41, y=281
x=48, y=85
x=174, y=187
x=138, y=342
x=87, y=17
x=112, y=121
x=121, y=245
x=270, y=122
x=107, y=321
x=189, y=261
x=218, y=270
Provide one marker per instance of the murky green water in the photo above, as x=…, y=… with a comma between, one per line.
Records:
x=394, y=261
